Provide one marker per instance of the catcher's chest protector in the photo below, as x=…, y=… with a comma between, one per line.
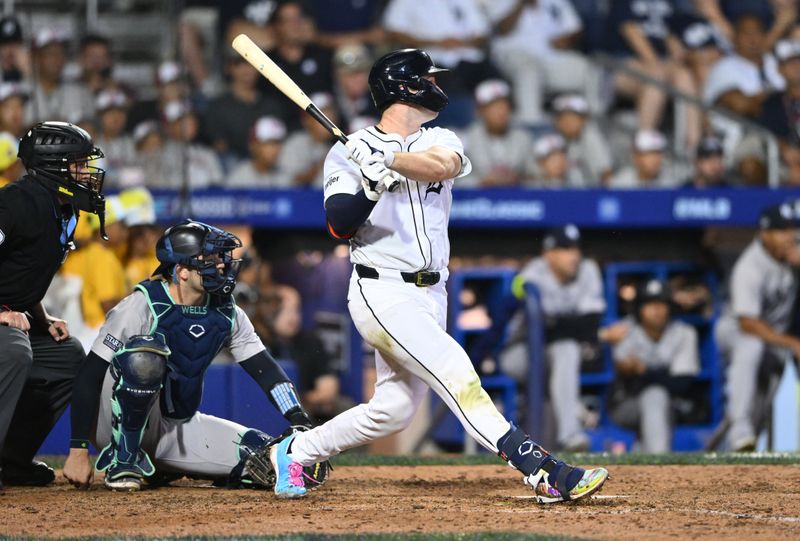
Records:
x=194, y=334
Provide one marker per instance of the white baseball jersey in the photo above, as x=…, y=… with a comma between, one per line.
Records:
x=407, y=229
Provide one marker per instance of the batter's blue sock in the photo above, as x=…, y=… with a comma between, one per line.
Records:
x=519, y=450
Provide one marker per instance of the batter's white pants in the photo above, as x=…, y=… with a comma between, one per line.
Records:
x=405, y=324
x=204, y=445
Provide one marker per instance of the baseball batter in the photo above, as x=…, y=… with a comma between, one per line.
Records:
x=147, y=366
x=389, y=192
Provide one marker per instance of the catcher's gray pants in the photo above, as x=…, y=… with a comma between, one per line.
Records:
x=649, y=413
x=36, y=375
x=204, y=445
x=564, y=362
x=747, y=401
x=559, y=71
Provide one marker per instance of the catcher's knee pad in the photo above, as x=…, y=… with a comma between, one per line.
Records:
x=138, y=370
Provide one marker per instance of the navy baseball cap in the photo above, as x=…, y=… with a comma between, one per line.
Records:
x=653, y=291
x=10, y=30
x=566, y=236
x=783, y=216
x=709, y=146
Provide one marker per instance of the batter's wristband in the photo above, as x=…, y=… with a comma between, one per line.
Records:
x=388, y=157
x=78, y=444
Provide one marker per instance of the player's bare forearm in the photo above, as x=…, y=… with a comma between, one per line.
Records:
x=762, y=330
x=433, y=165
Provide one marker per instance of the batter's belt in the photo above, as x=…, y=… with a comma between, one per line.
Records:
x=419, y=279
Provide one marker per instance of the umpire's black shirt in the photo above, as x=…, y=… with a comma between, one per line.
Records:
x=31, y=246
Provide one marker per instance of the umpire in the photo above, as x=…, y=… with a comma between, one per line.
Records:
x=38, y=357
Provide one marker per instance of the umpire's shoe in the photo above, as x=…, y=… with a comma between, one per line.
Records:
x=35, y=474
x=289, y=481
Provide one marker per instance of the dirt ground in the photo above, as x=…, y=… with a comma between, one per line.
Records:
x=638, y=502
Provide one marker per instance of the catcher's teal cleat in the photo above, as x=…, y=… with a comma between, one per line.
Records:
x=288, y=474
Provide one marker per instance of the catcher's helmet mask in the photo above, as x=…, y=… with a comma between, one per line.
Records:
x=203, y=248
x=60, y=154
x=400, y=76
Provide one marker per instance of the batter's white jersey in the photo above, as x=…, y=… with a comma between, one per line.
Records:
x=407, y=229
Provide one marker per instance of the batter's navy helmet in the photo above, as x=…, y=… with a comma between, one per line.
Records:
x=399, y=76
x=200, y=246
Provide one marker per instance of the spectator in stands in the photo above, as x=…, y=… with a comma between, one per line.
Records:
x=13, y=97
x=351, y=64
x=149, y=145
x=553, y=167
x=319, y=382
x=249, y=17
x=648, y=170
x=307, y=64
x=52, y=98
x=455, y=33
x=741, y=82
x=229, y=118
x=753, y=332
x=703, y=41
x=262, y=170
x=112, y=112
x=500, y=154
x=99, y=268
x=571, y=298
x=655, y=362
x=640, y=32
x=182, y=156
x=143, y=234
x=346, y=22
x=96, y=63
x=15, y=65
x=781, y=109
x=303, y=155
x=587, y=148
x=709, y=166
x=535, y=47
x=170, y=86
x=10, y=166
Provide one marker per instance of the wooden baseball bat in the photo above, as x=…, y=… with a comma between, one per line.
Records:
x=275, y=75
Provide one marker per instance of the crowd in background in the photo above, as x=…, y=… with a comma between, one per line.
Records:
x=546, y=93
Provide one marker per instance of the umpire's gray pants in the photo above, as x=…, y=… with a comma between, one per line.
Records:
x=747, y=403
x=564, y=361
x=204, y=445
x=36, y=376
x=649, y=413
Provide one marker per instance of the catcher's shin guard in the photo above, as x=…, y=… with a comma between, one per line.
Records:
x=139, y=370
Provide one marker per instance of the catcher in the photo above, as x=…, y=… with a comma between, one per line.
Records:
x=146, y=371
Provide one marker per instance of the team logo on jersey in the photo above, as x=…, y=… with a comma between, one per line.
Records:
x=435, y=187
x=197, y=330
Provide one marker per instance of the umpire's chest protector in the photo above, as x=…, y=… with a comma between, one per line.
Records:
x=194, y=334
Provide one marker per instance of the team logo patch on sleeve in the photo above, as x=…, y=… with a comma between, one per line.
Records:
x=112, y=342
